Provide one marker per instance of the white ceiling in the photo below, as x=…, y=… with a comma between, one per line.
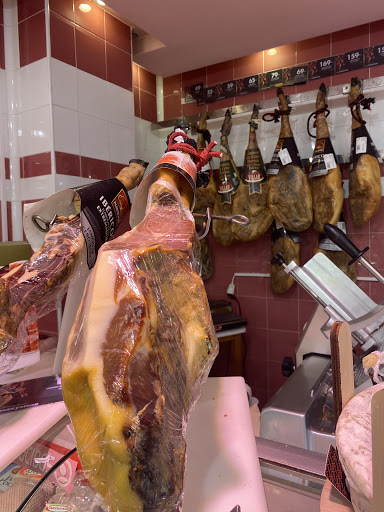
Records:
x=198, y=33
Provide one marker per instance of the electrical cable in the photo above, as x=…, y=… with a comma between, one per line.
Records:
x=44, y=477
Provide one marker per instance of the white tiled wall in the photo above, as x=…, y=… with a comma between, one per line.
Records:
x=149, y=145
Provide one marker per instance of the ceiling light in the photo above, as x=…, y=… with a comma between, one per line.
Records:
x=272, y=51
x=85, y=7
x=100, y=2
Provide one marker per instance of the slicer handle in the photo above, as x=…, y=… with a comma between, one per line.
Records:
x=340, y=239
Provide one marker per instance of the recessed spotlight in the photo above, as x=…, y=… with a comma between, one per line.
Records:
x=85, y=7
x=272, y=51
x=100, y=2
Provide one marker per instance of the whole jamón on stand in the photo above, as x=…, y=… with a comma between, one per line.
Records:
x=364, y=175
x=289, y=244
x=289, y=193
x=324, y=174
x=227, y=181
x=252, y=194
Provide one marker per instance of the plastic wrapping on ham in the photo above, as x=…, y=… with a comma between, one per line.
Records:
x=141, y=346
x=39, y=282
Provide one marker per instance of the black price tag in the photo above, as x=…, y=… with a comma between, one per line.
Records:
x=295, y=75
x=193, y=92
x=349, y=61
x=321, y=68
x=374, y=55
x=226, y=90
x=209, y=95
x=247, y=85
x=271, y=79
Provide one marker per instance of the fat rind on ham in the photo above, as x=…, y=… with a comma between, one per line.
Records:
x=142, y=344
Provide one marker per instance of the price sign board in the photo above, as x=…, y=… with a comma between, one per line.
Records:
x=374, y=55
x=349, y=61
x=321, y=68
x=271, y=79
x=295, y=75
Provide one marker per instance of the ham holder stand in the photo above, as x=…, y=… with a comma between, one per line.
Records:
x=301, y=412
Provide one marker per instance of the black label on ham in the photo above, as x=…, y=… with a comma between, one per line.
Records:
x=253, y=173
x=103, y=206
x=286, y=153
x=280, y=232
x=227, y=181
x=321, y=164
x=362, y=144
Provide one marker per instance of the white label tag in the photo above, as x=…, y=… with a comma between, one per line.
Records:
x=272, y=172
x=318, y=172
x=285, y=157
x=329, y=161
x=361, y=145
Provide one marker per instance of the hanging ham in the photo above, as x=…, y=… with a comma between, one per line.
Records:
x=335, y=254
x=364, y=170
x=142, y=344
x=252, y=194
x=324, y=173
x=227, y=182
x=289, y=244
x=289, y=194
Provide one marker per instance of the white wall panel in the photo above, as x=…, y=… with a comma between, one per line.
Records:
x=37, y=187
x=121, y=143
x=120, y=105
x=66, y=130
x=34, y=131
x=34, y=85
x=92, y=95
x=64, y=84
x=94, y=141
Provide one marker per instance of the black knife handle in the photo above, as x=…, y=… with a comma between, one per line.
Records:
x=339, y=238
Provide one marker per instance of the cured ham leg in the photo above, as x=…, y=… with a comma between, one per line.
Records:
x=324, y=174
x=289, y=194
x=251, y=198
x=289, y=244
x=45, y=276
x=227, y=183
x=141, y=346
x=364, y=175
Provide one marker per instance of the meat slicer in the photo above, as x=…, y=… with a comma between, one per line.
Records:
x=301, y=412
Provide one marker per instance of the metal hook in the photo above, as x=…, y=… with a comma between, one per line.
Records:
x=240, y=220
x=47, y=225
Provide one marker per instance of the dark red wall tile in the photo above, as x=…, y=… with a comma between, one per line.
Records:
x=281, y=344
x=148, y=106
x=271, y=93
x=313, y=84
x=190, y=109
x=249, y=65
x=350, y=39
x=376, y=71
x=376, y=29
x=116, y=168
x=9, y=220
x=48, y=323
x=1, y=13
x=36, y=165
x=62, y=39
x=27, y=8
x=63, y=7
x=285, y=56
x=135, y=74
x=7, y=170
x=90, y=53
x=117, y=33
x=94, y=168
x=345, y=78
x=147, y=80
x=67, y=164
x=225, y=103
x=172, y=85
x=283, y=312
x=194, y=77
x=136, y=96
x=275, y=378
x=119, y=67
x=313, y=49
x=377, y=221
x=2, y=53
x=92, y=20
x=32, y=44
x=249, y=98
x=172, y=106
x=221, y=72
